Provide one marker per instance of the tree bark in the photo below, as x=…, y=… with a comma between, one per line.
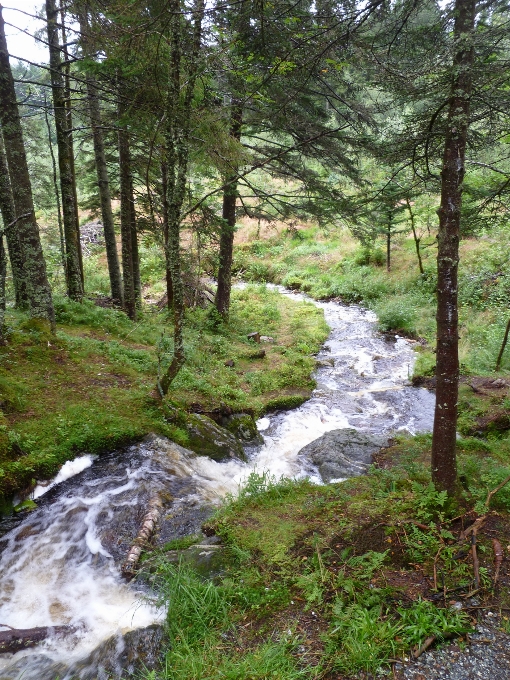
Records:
x=65, y=159
x=222, y=299
x=38, y=290
x=415, y=236
x=444, y=465
x=503, y=345
x=125, y=215
x=178, y=114
x=388, y=244
x=103, y=182
x=57, y=193
x=11, y=232
x=3, y=272
x=16, y=639
x=137, y=283
x=164, y=204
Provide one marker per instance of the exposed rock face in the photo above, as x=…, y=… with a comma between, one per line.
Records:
x=209, y=439
x=343, y=453
x=243, y=427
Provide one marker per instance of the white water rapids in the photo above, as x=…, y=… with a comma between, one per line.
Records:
x=61, y=564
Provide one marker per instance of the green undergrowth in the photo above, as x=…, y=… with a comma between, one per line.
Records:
x=91, y=388
x=338, y=580
x=331, y=264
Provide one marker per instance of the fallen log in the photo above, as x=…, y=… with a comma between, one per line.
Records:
x=148, y=526
x=16, y=639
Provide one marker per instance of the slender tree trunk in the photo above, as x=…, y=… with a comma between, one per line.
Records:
x=69, y=123
x=102, y=179
x=55, y=189
x=65, y=160
x=388, y=244
x=444, y=466
x=125, y=217
x=178, y=114
x=164, y=203
x=11, y=232
x=137, y=283
x=222, y=299
x=3, y=273
x=38, y=289
x=503, y=345
x=415, y=236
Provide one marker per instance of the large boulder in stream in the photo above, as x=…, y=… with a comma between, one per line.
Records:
x=243, y=427
x=209, y=439
x=339, y=454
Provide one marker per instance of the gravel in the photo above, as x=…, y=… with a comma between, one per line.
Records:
x=486, y=656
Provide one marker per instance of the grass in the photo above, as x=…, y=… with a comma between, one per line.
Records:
x=91, y=388
x=337, y=581
x=332, y=265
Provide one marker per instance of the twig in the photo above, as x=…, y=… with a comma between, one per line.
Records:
x=473, y=528
x=498, y=558
x=476, y=569
x=428, y=642
x=494, y=491
x=435, y=565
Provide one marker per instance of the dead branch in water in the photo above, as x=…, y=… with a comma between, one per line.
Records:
x=16, y=639
x=147, y=528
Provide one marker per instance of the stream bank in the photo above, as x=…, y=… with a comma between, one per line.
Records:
x=83, y=527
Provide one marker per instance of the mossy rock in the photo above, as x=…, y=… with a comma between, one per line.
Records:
x=206, y=438
x=286, y=401
x=243, y=427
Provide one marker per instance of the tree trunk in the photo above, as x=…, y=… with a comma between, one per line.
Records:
x=444, y=466
x=388, y=244
x=65, y=160
x=38, y=289
x=102, y=179
x=69, y=123
x=503, y=345
x=164, y=204
x=11, y=231
x=55, y=189
x=15, y=639
x=3, y=272
x=125, y=217
x=178, y=115
x=222, y=300
x=137, y=283
x=415, y=236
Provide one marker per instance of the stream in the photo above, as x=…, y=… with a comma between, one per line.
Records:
x=60, y=565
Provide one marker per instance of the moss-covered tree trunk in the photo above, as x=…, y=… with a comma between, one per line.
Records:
x=74, y=277
x=11, y=232
x=125, y=213
x=38, y=290
x=222, y=299
x=177, y=131
x=444, y=467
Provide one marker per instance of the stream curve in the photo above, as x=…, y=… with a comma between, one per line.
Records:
x=61, y=564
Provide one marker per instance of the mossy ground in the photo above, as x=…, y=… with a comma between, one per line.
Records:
x=91, y=387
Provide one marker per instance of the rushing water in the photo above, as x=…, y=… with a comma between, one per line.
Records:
x=61, y=564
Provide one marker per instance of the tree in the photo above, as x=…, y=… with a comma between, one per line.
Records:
x=444, y=468
x=65, y=159
x=38, y=290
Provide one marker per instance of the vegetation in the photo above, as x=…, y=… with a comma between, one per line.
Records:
x=90, y=388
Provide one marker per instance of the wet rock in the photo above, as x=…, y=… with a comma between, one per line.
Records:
x=325, y=363
x=266, y=338
x=243, y=427
x=34, y=667
x=209, y=439
x=122, y=656
x=343, y=453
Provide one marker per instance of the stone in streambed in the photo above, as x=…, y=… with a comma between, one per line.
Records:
x=243, y=427
x=343, y=453
x=209, y=439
